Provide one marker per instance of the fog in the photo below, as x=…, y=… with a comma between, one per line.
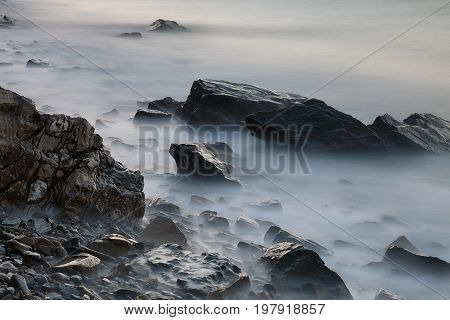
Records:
x=292, y=46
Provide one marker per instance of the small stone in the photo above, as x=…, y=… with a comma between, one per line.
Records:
x=19, y=282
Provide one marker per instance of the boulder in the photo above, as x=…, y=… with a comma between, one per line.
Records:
x=161, y=25
x=203, y=160
x=299, y=273
x=161, y=205
x=6, y=21
x=162, y=230
x=131, y=35
x=266, y=206
x=423, y=133
x=83, y=263
x=143, y=116
x=167, y=104
x=404, y=243
x=245, y=224
x=251, y=249
x=222, y=102
x=111, y=114
x=200, y=201
x=210, y=219
x=37, y=63
x=113, y=245
x=57, y=163
x=18, y=282
x=383, y=294
x=316, y=127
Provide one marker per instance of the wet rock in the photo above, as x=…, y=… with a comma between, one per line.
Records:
x=83, y=263
x=37, y=63
x=329, y=129
x=114, y=245
x=18, y=282
x=266, y=206
x=111, y=114
x=162, y=230
x=404, y=243
x=222, y=102
x=15, y=246
x=168, y=105
x=100, y=124
x=401, y=259
x=31, y=259
x=246, y=225
x=131, y=35
x=6, y=21
x=277, y=235
x=238, y=290
x=161, y=25
x=383, y=294
x=161, y=205
x=201, y=201
x=211, y=220
x=299, y=273
x=251, y=248
x=202, y=160
x=58, y=163
x=423, y=133
x=126, y=294
x=143, y=116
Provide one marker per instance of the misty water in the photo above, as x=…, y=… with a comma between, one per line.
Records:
x=291, y=46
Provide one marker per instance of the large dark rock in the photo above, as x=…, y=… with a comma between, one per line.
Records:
x=57, y=163
x=161, y=25
x=203, y=160
x=418, y=133
x=316, y=127
x=222, y=102
x=298, y=273
x=168, y=105
x=143, y=116
x=162, y=230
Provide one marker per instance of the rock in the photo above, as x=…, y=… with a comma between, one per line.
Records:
x=100, y=124
x=83, y=263
x=30, y=259
x=402, y=259
x=168, y=105
x=246, y=225
x=143, y=116
x=161, y=25
x=114, y=245
x=267, y=206
x=345, y=182
x=19, y=282
x=6, y=64
x=251, y=248
x=222, y=102
x=6, y=21
x=202, y=160
x=162, y=230
x=300, y=273
x=404, y=243
x=237, y=290
x=15, y=246
x=210, y=219
x=161, y=205
x=7, y=267
x=131, y=35
x=111, y=114
x=383, y=294
x=330, y=129
x=57, y=163
x=201, y=201
x=418, y=133
x=37, y=63
x=277, y=235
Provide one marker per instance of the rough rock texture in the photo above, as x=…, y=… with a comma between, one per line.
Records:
x=301, y=274
x=58, y=163
x=418, y=133
x=167, y=104
x=222, y=102
x=383, y=294
x=151, y=115
x=161, y=25
x=316, y=127
x=162, y=230
x=203, y=160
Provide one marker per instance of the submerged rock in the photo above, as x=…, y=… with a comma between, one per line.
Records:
x=418, y=133
x=131, y=35
x=143, y=116
x=299, y=273
x=200, y=201
x=6, y=21
x=266, y=206
x=161, y=25
x=58, y=163
x=162, y=230
x=222, y=102
x=202, y=160
x=37, y=63
x=383, y=294
x=316, y=127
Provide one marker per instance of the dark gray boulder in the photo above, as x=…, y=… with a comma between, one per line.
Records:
x=167, y=104
x=38, y=63
x=418, y=133
x=162, y=230
x=203, y=160
x=299, y=273
x=57, y=163
x=143, y=116
x=161, y=25
x=316, y=127
x=222, y=102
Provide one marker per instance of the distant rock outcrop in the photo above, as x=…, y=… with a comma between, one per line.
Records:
x=161, y=25
x=57, y=163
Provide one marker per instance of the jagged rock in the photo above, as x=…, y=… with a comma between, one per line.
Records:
x=383, y=294
x=6, y=21
x=114, y=245
x=57, y=163
x=162, y=230
x=299, y=273
x=37, y=63
x=203, y=160
x=330, y=129
x=246, y=225
x=111, y=114
x=161, y=205
x=266, y=206
x=143, y=116
x=83, y=263
x=210, y=219
x=131, y=35
x=201, y=201
x=404, y=243
x=161, y=25
x=402, y=259
x=167, y=104
x=277, y=235
x=418, y=133
x=222, y=102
